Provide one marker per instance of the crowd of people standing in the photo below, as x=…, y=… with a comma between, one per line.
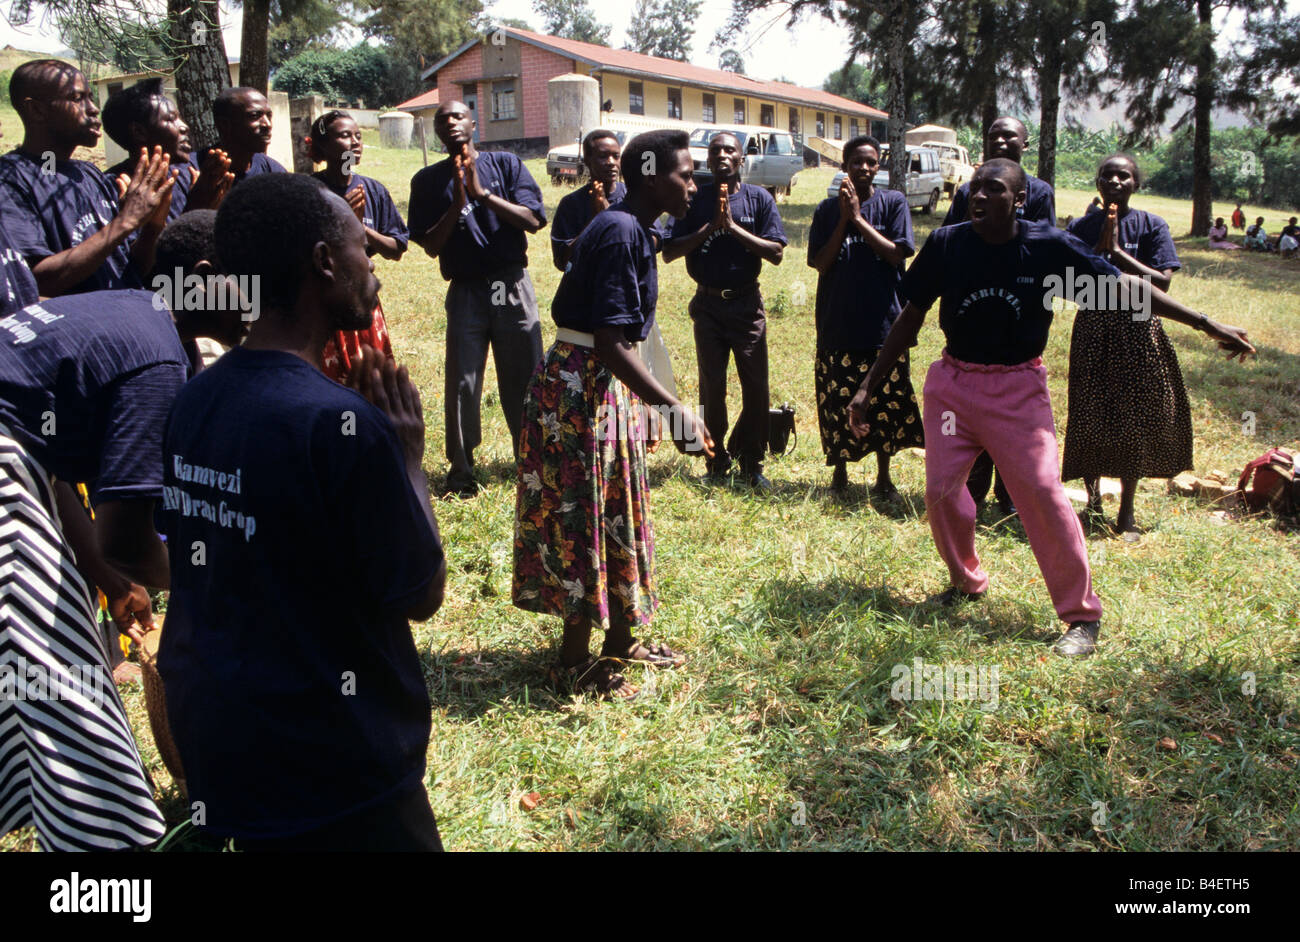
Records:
x=278, y=493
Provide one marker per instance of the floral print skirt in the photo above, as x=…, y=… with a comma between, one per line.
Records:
x=895, y=418
x=584, y=544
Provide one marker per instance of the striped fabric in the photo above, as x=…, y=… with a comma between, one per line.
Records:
x=68, y=762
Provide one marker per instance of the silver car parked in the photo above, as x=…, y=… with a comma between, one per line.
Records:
x=924, y=178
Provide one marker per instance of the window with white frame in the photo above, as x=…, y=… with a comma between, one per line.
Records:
x=503, y=101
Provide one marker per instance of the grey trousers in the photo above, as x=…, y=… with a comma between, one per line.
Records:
x=724, y=328
x=500, y=312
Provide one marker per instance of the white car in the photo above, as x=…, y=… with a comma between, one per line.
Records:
x=954, y=164
x=924, y=180
x=772, y=158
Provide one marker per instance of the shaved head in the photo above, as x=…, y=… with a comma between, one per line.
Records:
x=39, y=79
x=1015, y=123
x=1008, y=171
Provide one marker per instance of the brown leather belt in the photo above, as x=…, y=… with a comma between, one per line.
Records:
x=727, y=294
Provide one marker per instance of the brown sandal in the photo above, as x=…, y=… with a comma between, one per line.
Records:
x=595, y=675
x=657, y=654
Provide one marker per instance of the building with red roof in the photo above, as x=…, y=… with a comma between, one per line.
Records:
x=503, y=78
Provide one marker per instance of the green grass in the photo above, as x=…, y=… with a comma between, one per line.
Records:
x=793, y=608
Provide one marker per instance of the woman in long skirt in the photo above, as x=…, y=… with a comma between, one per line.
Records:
x=1129, y=416
x=858, y=242
x=584, y=542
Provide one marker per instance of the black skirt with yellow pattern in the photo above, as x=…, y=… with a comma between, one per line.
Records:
x=896, y=422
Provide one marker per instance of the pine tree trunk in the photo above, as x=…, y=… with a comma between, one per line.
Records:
x=254, y=45
x=1202, y=192
x=199, y=61
x=896, y=94
x=988, y=113
x=1049, y=94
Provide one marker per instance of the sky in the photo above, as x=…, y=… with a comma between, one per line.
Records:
x=766, y=47
x=767, y=44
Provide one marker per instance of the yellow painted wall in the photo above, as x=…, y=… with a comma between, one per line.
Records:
x=615, y=87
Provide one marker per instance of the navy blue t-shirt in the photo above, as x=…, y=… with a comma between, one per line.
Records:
x=49, y=213
x=572, y=216
x=19, y=283
x=994, y=302
x=857, y=298
x=260, y=163
x=379, y=212
x=481, y=245
x=294, y=690
x=1040, y=203
x=612, y=280
x=721, y=261
x=86, y=381
x=184, y=174
x=1143, y=235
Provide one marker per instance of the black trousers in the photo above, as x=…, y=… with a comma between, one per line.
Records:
x=724, y=327
x=403, y=825
x=978, y=482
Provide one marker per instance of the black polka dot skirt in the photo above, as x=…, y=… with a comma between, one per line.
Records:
x=895, y=419
x=1128, y=411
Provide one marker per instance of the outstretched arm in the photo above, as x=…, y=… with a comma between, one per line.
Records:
x=1232, y=339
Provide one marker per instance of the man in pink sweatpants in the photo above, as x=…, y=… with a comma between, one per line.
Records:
x=993, y=277
x=972, y=407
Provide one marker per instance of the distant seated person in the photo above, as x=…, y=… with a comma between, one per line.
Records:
x=1289, y=240
x=243, y=120
x=1219, y=236
x=1256, y=238
x=141, y=118
x=1093, y=207
x=69, y=222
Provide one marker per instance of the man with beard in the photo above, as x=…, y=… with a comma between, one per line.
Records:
x=1006, y=139
x=992, y=278
x=729, y=230
x=243, y=119
x=65, y=216
x=141, y=118
x=302, y=539
x=473, y=212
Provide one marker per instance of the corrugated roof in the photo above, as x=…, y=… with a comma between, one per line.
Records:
x=657, y=69
x=420, y=102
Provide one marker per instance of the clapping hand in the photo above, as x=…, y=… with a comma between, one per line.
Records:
x=722, y=216
x=356, y=198
x=390, y=390
x=850, y=205
x=469, y=177
x=145, y=191
x=599, y=201
x=209, y=186
x=1106, y=240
